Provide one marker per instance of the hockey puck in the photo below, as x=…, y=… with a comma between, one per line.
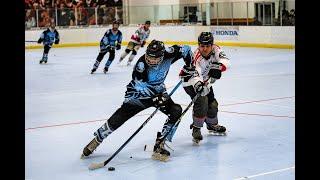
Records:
x=111, y=168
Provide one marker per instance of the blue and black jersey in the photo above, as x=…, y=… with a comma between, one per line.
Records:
x=49, y=37
x=110, y=39
x=148, y=81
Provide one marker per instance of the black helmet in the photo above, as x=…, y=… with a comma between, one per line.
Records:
x=147, y=22
x=116, y=22
x=205, y=38
x=155, y=52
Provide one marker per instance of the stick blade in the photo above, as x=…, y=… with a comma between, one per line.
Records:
x=94, y=166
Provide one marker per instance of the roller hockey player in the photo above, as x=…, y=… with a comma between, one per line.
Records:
x=48, y=37
x=145, y=90
x=110, y=42
x=138, y=39
x=208, y=63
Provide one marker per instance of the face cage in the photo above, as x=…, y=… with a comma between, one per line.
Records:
x=152, y=61
x=115, y=28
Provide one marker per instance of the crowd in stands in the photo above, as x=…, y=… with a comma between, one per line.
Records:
x=72, y=12
x=288, y=18
x=46, y=4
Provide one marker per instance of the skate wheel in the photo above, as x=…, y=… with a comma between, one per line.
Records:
x=213, y=133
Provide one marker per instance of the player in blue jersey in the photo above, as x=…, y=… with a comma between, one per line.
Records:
x=111, y=40
x=48, y=37
x=145, y=90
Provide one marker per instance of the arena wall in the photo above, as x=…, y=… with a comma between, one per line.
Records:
x=245, y=36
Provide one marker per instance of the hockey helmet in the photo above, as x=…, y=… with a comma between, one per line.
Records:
x=115, y=25
x=154, y=53
x=205, y=38
x=116, y=22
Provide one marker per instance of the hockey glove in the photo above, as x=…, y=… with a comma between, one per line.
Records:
x=40, y=41
x=187, y=73
x=202, y=88
x=198, y=86
x=118, y=46
x=56, y=41
x=215, y=71
x=143, y=43
x=160, y=100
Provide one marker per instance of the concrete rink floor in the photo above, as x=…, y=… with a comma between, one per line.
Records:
x=65, y=104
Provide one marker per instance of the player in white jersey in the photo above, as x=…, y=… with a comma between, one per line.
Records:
x=208, y=63
x=138, y=39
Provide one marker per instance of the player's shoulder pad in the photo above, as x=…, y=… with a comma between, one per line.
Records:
x=46, y=31
x=169, y=49
x=185, y=50
x=108, y=32
x=140, y=67
x=197, y=55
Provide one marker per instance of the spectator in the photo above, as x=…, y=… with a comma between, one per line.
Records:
x=292, y=16
x=82, y=16
x=44, y=20
x=28, y=4
x=36, y=4
x=30, y=20
x=91, y=3
x=285, y=18
x=63, y=16
x=108, y=10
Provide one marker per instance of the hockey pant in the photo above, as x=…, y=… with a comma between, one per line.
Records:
x=131, y=47
x=102, y=53
x=205, y=108
x=132, y=107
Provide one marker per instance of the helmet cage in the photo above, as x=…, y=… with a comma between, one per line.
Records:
x=153, y=61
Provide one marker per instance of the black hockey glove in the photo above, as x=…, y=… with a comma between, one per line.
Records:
x=160, y=100
x=40, y=41
x=56, y=41
x=118, y=46
x=202, y=88
x=143, y=43
x=215, y=71
x=199, y=86
x=187, y=73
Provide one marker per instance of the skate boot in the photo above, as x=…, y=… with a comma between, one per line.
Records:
x=94, y=143
x=105, y=70
x=42, y=60
x=45, y=60
x=159, y=152
x=93, y=70
x=216, y=130
x=196, y=134
x=120, y=60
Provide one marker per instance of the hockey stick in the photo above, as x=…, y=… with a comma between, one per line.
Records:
x=30, y=41
x=94, y=166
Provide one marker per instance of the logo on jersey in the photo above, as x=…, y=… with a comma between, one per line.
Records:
x=140, y=67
